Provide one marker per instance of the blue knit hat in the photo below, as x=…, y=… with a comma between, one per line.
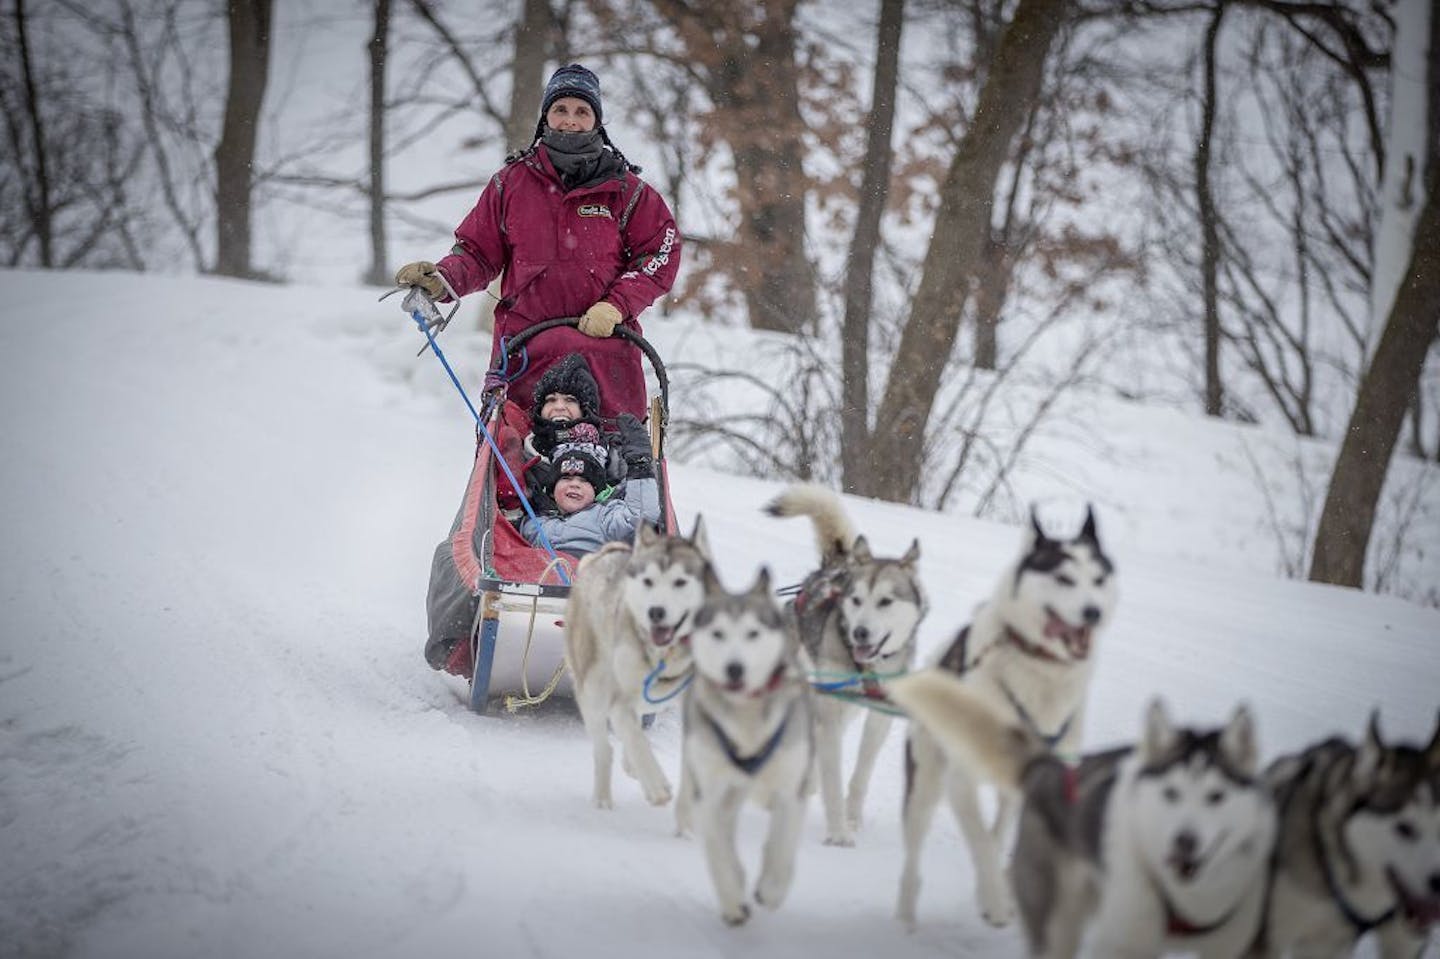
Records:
x=573, y=80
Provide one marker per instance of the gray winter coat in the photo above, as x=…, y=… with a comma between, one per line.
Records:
x=599, y=523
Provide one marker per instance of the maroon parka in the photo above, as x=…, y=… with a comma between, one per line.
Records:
x=562, y=252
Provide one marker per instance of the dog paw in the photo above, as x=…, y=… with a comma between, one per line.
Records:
x=843, y=840
x=658, y=794
x=998, y=910
x=603, y=802
x=736, y=916
x=771, y=891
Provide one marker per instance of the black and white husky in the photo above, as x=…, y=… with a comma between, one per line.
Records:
x=1139, y=851
x=749, y=734
x=858, y=613
x=627, y=619
x=1028, y=652
x=1359, y=848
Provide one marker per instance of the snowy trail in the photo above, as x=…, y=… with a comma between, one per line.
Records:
x=217, y=736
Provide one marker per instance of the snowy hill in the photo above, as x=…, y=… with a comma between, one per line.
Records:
x=218, y=737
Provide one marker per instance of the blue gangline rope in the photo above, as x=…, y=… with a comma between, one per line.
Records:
x=419, y=319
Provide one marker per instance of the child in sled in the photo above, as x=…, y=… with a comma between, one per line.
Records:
x=580, y=522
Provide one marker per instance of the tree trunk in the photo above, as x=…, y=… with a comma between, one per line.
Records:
x=860, y=268
x=745, y=55
x=379, y=47
x=38, y=202
x=235, y=155
x=1209, y=229
x=527, y=73
x=1390, y=384
x=991, y=289
x=1010, y=92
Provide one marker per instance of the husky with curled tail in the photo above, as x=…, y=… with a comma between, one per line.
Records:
x=1156, y=849
x=1029, y=652
x=857, y=616
x=627, y=626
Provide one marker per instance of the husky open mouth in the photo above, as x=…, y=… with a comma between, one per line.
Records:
x=1421, y=911
x=1075, y=638
x=663, y=636
x=868, y=652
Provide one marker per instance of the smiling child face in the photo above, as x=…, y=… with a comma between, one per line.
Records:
x=560, y=406
x=573, y=493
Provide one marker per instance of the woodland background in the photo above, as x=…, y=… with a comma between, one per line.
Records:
x=954, y=217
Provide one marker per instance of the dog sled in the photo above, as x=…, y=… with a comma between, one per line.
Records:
x=485, y=577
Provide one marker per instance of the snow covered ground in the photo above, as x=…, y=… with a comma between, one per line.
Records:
x=218, y=737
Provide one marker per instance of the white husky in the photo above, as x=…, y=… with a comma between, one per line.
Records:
x=857, y=614
x=627, y=622
x=1028, y=654
x=748, y=735
x=1157, y=849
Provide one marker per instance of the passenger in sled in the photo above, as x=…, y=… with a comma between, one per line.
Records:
x=580, y=521
x=576, y=233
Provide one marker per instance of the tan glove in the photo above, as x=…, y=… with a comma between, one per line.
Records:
x=423, y=274
x=600, y=320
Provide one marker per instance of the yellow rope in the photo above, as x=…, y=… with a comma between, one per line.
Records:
x=514, y=703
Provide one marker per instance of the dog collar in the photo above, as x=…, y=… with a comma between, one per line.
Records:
x=1177, y=925
x=773, y=683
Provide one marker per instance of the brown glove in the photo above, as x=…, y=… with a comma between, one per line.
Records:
x=600, y=320
x=423, y=274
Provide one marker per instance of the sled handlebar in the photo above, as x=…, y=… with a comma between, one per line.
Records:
x=515, y=342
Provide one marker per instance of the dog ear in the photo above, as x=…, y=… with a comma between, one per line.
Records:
x=1035, y=526
x=912, y=555
x=1159, y=735
x=761, y=586
x=1087, y=532
x=1370, y=753
x=699, y=537
x=709, y=581
x=645, y=535
x=1237, y=741
x=860, y=550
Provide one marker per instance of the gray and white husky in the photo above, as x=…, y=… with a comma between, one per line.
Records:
x=1154, y=849
x=1359, y=848
x=858, y=613
x=1028, y=652
x=749, y=734
x=631, y=608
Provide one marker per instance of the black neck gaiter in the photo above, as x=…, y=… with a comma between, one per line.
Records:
x=579, y=158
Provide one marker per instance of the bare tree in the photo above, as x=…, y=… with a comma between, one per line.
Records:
x=1009, y=93
x=379, y=50
x=533, y=40
x=249, y=22
x=38, y=199
x=860, y=265
x=1210, y=234
x=744, y=56
x=1390, y=384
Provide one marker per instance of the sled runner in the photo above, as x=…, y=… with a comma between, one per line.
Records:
x=485, y=568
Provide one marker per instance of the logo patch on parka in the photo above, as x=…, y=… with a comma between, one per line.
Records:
x=595, y=209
